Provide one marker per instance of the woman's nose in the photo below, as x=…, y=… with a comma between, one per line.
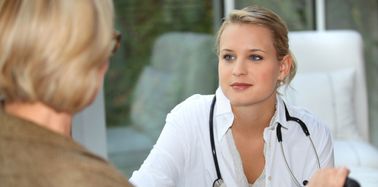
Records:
x=239, y=68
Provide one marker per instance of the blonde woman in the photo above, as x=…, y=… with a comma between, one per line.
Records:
x=245, y=134
x=53, y=58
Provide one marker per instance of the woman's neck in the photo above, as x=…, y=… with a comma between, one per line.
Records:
x=254, y=117
x=42, y=115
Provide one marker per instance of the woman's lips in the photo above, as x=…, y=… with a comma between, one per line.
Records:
x=240, y=86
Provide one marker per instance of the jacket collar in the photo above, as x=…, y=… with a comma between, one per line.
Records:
x=224, y=117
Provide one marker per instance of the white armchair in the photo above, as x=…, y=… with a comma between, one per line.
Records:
x=330, y=82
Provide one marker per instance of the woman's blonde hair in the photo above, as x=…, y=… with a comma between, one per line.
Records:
x=266, y=18
x=51, y=51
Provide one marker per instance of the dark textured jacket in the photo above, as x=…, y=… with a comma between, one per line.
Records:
x=31, y=155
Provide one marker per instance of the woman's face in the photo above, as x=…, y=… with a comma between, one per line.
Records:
x=248, y=66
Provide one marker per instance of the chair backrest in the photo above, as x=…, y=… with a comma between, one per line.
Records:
x=182, y=64
x=332, y=51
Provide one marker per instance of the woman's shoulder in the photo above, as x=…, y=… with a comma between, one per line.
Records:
x=312, y=121
x=301, y=111
x=193, y=103
x=191, y=113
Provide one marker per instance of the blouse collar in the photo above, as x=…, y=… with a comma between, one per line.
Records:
x=224, y=117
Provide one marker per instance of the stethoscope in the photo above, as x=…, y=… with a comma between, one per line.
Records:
x=219, y=181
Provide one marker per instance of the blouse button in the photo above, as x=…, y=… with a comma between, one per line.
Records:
x=270, y=178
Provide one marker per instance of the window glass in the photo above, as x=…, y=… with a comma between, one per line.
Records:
x=361, y=16
x=298, y=14
x=144, y=82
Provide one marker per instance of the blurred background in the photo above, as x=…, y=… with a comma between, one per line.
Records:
x=167, y=54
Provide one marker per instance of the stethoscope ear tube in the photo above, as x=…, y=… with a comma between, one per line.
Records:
x=279, y=134
x=300, y=122
x=219, y=180
x=306, y=132
x=213, y=151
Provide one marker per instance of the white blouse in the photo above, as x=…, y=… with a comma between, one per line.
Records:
x=182, y=154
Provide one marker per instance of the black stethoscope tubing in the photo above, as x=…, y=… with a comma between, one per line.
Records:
x=213, y=150
x=219, y=180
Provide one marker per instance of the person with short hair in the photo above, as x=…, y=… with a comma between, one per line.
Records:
x=53, y=58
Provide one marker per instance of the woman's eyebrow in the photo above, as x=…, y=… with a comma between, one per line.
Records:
x=257, y=50
x=252, y=50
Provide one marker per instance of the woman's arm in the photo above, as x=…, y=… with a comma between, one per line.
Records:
x=329, y=177
x=166, y=160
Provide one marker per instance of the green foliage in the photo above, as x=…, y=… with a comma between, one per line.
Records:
x=141, y=22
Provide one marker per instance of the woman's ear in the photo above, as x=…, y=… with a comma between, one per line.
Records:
x=285, y=66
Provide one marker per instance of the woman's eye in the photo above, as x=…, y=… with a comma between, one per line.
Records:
x=228, y=57
x=255, y=57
